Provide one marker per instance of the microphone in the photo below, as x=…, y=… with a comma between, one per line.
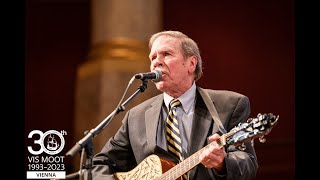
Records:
x=155, y=75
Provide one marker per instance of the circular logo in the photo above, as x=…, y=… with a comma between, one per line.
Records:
x=52, y=142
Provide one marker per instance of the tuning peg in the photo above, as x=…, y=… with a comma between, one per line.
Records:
x=242, y=147
x=262, y=139
x=239, y=125
x=259, y=115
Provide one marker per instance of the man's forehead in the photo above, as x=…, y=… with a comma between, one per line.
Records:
x=165, y=43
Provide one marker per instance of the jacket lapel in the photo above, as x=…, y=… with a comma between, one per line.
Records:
x=152, y=118
x=201, y=125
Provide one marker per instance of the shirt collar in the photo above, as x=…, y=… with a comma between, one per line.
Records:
x=186, y=99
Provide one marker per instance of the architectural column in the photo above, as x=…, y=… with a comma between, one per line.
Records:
x=119, y=49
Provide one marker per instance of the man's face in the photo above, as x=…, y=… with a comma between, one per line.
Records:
x=177, y=71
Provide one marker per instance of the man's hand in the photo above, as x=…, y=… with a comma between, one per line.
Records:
x=213, y=156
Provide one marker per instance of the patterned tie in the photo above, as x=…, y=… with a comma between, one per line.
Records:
x=173, y=133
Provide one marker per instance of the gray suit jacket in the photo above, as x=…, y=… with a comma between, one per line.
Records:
x=136, y=138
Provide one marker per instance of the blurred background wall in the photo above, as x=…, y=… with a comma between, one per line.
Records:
x=246, y=46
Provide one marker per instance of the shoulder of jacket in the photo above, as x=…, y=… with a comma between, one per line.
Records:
x=148, y=102
x=215, y=92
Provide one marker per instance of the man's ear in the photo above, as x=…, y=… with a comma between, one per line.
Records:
x=193, y=64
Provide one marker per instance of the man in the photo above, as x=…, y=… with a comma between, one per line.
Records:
x=199, y=115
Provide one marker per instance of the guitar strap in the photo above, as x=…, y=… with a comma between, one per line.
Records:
x=213, y=112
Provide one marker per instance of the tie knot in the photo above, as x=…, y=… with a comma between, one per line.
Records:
x=174, y=103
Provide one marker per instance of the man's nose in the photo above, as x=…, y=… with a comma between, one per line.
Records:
x=157, y=62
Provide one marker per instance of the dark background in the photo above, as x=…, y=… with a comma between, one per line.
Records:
x=246, y=46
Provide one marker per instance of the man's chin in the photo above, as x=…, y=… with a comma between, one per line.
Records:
x=160, y=85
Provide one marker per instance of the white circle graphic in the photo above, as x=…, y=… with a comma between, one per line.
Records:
x=53, y=147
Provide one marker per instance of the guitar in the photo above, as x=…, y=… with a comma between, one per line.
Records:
x=151, y=168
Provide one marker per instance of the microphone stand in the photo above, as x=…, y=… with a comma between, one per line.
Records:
x=86, y=141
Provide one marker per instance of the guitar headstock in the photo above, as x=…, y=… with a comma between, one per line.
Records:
x=253, y=128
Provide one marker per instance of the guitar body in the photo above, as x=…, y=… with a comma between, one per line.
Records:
x=150, y=168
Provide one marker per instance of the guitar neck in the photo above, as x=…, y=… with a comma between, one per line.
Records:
x=182, y=167
x=193, y=160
